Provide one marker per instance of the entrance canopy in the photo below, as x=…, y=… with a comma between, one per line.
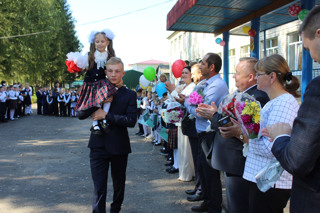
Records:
x=219, y=16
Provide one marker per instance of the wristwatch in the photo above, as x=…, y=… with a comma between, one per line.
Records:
x=241, y=137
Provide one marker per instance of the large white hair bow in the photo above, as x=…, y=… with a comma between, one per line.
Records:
x=110, y=35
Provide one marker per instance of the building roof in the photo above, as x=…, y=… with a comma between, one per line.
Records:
x=152, y=61
x=219, y=16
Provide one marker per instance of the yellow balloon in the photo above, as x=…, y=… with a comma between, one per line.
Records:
x=246, y=29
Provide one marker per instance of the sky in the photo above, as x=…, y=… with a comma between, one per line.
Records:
x=139, y=36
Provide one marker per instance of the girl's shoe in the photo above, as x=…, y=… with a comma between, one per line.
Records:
x=95, y=130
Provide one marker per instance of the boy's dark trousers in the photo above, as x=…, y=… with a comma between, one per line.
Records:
x=39, y=108
x=68, y=109
x=2, y=110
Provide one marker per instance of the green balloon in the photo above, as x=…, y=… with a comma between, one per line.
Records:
x=149, y=73
x=302, y=14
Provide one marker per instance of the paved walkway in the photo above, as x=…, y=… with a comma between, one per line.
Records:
x=45, y=168
x=44, y=163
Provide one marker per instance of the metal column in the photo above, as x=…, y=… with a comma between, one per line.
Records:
x=226, y=36
x=306, y=58
x=255, y=24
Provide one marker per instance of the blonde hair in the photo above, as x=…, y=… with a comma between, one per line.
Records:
x=114, y=60
x=277, y=64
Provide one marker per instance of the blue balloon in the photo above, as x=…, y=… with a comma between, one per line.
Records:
x=137, y=87
x=218, y=40
x=160, y=89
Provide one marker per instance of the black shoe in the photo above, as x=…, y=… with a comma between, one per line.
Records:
x=191, y=191
x=95, y=131
x=202, y=208
x=138, y=133
x=164, y=152
x=104, y=126
x=173, y=170
x=194, y=197
x=169, y=159
x=157, y=144
x=169, y=164
x=83, y=114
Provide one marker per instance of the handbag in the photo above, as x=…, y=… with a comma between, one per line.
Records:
x=188, y=126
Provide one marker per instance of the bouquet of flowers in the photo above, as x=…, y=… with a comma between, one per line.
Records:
x=174, y=113
x=227, y=105
x=247, y=111
x=197, y=96
x=76, y=62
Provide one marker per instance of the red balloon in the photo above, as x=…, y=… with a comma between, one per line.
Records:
x=222, y=43
x=177, y=68
x=252, y=33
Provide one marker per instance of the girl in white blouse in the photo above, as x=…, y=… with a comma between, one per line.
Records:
x=274, y=78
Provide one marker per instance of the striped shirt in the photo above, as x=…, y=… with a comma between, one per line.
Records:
x=283, y=108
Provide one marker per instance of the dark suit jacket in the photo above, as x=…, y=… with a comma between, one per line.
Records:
x=122, y=114
x=39, y=97
x=227, y=152
x=300, y=154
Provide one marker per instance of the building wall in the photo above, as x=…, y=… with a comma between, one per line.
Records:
x=193, y=46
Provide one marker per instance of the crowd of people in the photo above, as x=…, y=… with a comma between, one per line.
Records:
x=206, y=152
x=15, y=101
x=58, y=101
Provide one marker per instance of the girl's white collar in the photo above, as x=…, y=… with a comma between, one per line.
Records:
x=100, y=58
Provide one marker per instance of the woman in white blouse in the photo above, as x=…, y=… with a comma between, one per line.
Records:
x=273, y=77
x=183, y=156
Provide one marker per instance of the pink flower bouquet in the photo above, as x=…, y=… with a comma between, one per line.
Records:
x=195, y=98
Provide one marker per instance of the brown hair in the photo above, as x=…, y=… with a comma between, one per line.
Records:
x=311, y=23
x=110, y=50
x=214, y=59
x=277, y=64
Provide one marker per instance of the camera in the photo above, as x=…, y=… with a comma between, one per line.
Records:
x=225, y=121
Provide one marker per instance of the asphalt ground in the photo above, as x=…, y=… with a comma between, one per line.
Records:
x=44, y=162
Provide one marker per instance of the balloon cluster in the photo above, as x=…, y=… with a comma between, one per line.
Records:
x=220, y=41
x=149, y=74
x=249, y=31
x=296, y=10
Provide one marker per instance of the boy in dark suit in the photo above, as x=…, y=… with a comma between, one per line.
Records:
x=39, y=101
x=112, y=147
x=299, y=153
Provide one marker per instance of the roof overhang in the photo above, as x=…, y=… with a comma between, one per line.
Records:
x=218, y=16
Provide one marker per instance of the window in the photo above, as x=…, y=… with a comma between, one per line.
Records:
x=295, y=51
x=245, y=51
x=232, y=61
x=271, y=46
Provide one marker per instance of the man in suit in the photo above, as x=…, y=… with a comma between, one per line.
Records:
x=299, y=153
x=112, y=147
x=214, y=89
x=228, y=142
x=39, y=101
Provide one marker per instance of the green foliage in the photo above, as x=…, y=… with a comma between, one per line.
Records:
x=39, y=58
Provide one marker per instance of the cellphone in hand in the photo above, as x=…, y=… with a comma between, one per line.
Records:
x=225, y=121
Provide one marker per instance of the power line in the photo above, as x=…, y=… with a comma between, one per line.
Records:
x=124, y=14
x=29, y=34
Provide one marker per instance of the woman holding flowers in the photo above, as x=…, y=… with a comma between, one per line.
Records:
x=182, y=155
x=273, y=77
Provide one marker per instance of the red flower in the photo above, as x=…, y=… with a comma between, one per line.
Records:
x=256, y=128
x=72, y=67
x=246, y=119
